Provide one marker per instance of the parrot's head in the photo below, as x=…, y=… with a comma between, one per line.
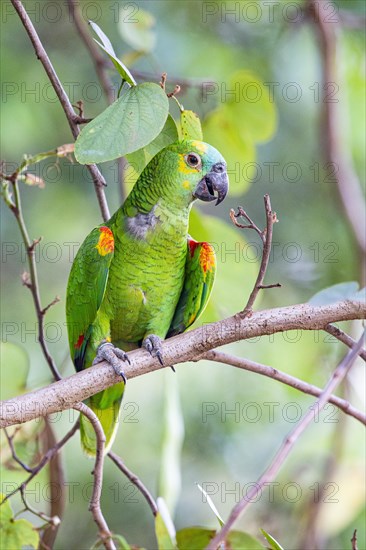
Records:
x=200, y=171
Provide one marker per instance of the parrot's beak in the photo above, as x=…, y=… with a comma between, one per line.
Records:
x=214, y=185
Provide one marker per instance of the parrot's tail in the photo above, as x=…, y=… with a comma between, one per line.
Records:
x=109, y=419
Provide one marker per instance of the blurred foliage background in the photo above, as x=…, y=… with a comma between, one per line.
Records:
x=273, y=144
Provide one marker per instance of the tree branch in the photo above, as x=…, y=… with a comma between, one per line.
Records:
x=45, y=460
x=344, y=338
x=94, y=506
x=135, y=480
x=266, y=238
x=336, y=152
x=287, y=379
x=288, y=444
x=31, y=280
x=98, y=178
x=64, y=394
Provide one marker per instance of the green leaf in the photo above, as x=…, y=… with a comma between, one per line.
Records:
x=194, y=538
x=139, y=159
x=337, y=293
x=14, y=372
x=15, y=533
x=190, y=126
x=211, y=505
x=164, y=528
x=274, y=544
x=245, y=117
x=239, y=152
x=237, y=540
x=108, y=48
x=138, y=30
x=130, y=123
x=251, y=108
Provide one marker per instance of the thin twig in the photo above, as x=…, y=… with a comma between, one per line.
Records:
x=266, y=237
x=135, y=480
x=54, y=521
x=31, y=280
x=344, y=338
x=354, y=540
x=94, y=506
x=283, y=377
x=98, y=178
x=45, y=460
x=288, y=444
x=13, y=453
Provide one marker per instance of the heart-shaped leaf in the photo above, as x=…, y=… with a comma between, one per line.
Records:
x=130, y=123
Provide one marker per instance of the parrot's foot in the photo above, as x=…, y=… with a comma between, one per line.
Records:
x=152, y=344
x=108, y=352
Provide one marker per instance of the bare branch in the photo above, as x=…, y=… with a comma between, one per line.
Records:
x=46, y=458
x=30, y=280
x=15, y=457
x=344, y=338
x=288, y=444
x=285, y=378
x=98, y=179
x=94, y=506
x=354, y=540
x=135, y=480
x=64, y=394
x=266, y=237
x=335, y=147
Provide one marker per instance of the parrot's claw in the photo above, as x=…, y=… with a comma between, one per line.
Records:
x=108, y=352
x=152, y=344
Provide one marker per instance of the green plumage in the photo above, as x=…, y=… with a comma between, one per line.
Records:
x=140, y=273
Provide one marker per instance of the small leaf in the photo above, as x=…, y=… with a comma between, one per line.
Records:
x=108, y=48
x=31, y=179
x=15, y=533
x=274, y=544
x=237, y=540
x=194, y=538
x=139, y=159
x=138, y=32
x=190, y=126
x=164, y=527
x=336, y=293
x=211, y=505
x=129, y=124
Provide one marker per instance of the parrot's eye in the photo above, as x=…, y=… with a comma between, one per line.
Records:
x=194, y=160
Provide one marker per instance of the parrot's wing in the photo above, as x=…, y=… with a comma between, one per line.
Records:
x=86, y=288
x=198, y=282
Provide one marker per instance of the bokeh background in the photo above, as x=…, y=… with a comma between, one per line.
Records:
x=273, y=144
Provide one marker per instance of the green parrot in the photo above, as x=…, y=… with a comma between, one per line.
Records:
x=140, y=277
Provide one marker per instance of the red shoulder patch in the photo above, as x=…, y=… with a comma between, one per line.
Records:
x=207, y=257
x=105, y=243
x=80, y=341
